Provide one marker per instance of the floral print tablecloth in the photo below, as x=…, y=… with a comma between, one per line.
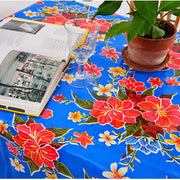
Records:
x=126, y=124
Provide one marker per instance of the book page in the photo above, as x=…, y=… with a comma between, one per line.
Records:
x=36, y=37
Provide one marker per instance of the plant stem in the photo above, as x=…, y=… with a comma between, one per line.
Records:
x=168, y=153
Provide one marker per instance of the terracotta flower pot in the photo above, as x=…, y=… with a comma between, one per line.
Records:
x=148, y=54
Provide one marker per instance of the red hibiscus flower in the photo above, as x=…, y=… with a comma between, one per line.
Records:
x=160, y=111
x=83, y=138
x=132, y=84
x=175, y=48
x=104, y=24
x=174, y=61
x=151, y=129
x=115, y=112
x=110, y=53
x=47, y=113
x=55, y=19
x=92, y=69
x=35, y=140
x=58, y=98
x=136, y=98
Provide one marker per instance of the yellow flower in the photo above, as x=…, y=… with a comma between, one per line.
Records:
x=106, y=137
x=115, y=174
x=30, y=13
x=49, y=176
x=69, y=78
x=76, y=117
x=52, y=10
x=175, y=140
x=104, y=90
x=117, y=71
x=3, y=127
x=18, y=167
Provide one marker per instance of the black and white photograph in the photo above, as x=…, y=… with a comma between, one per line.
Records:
x=26, y=76
x=22, y=26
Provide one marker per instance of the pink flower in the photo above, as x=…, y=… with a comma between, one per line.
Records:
x=110, y=53
x=92, y=69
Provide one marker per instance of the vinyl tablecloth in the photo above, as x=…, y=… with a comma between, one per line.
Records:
x=124, y=125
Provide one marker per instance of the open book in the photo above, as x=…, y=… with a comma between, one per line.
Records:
x=32, y=59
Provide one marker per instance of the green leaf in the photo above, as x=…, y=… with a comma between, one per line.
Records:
x=169, y=5
x=157, y=32
x=90, y=120
x=118, y=29
x=169, y=96
x=149, y=92
x=132, y=128
x=18, y=120
x=61, y=168
x=101, y=98
x=139, y=26
x=7, y=136
x=85, y=174
x=175, y=12
x=148, y=10
x=59, y=132
x=176, y=73
x=121, y=95
x=86, y=104
x=108, y=8
x=33, y=167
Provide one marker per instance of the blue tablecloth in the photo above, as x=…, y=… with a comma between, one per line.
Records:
x=125, y=125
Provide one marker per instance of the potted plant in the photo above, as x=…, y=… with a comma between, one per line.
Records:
x=149, y=37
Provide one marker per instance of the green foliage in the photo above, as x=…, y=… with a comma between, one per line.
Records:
x=144, y=17
x=61, y=168
x=59, y=132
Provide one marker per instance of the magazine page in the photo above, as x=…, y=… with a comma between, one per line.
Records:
x=36, y=37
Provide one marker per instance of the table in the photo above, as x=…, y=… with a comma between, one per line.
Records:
x=125, y=125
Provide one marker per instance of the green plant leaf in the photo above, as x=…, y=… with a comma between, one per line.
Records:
x=175, y=12
x=86, y=104
x=18, y=120
x=61, y=168
x=149, y=92
x=148, y=10
x=121, y=95
x=169, y=96
x=132, y=128
x=85, y=174
x=90, y=120
x=101, y=98
x=139, y=26
x=59, y=132
x=157, y=32
x=33, y=167
x=118, y=29
x=176, y=73
x=7, y=135
x=169, y=5
x=108, y=8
